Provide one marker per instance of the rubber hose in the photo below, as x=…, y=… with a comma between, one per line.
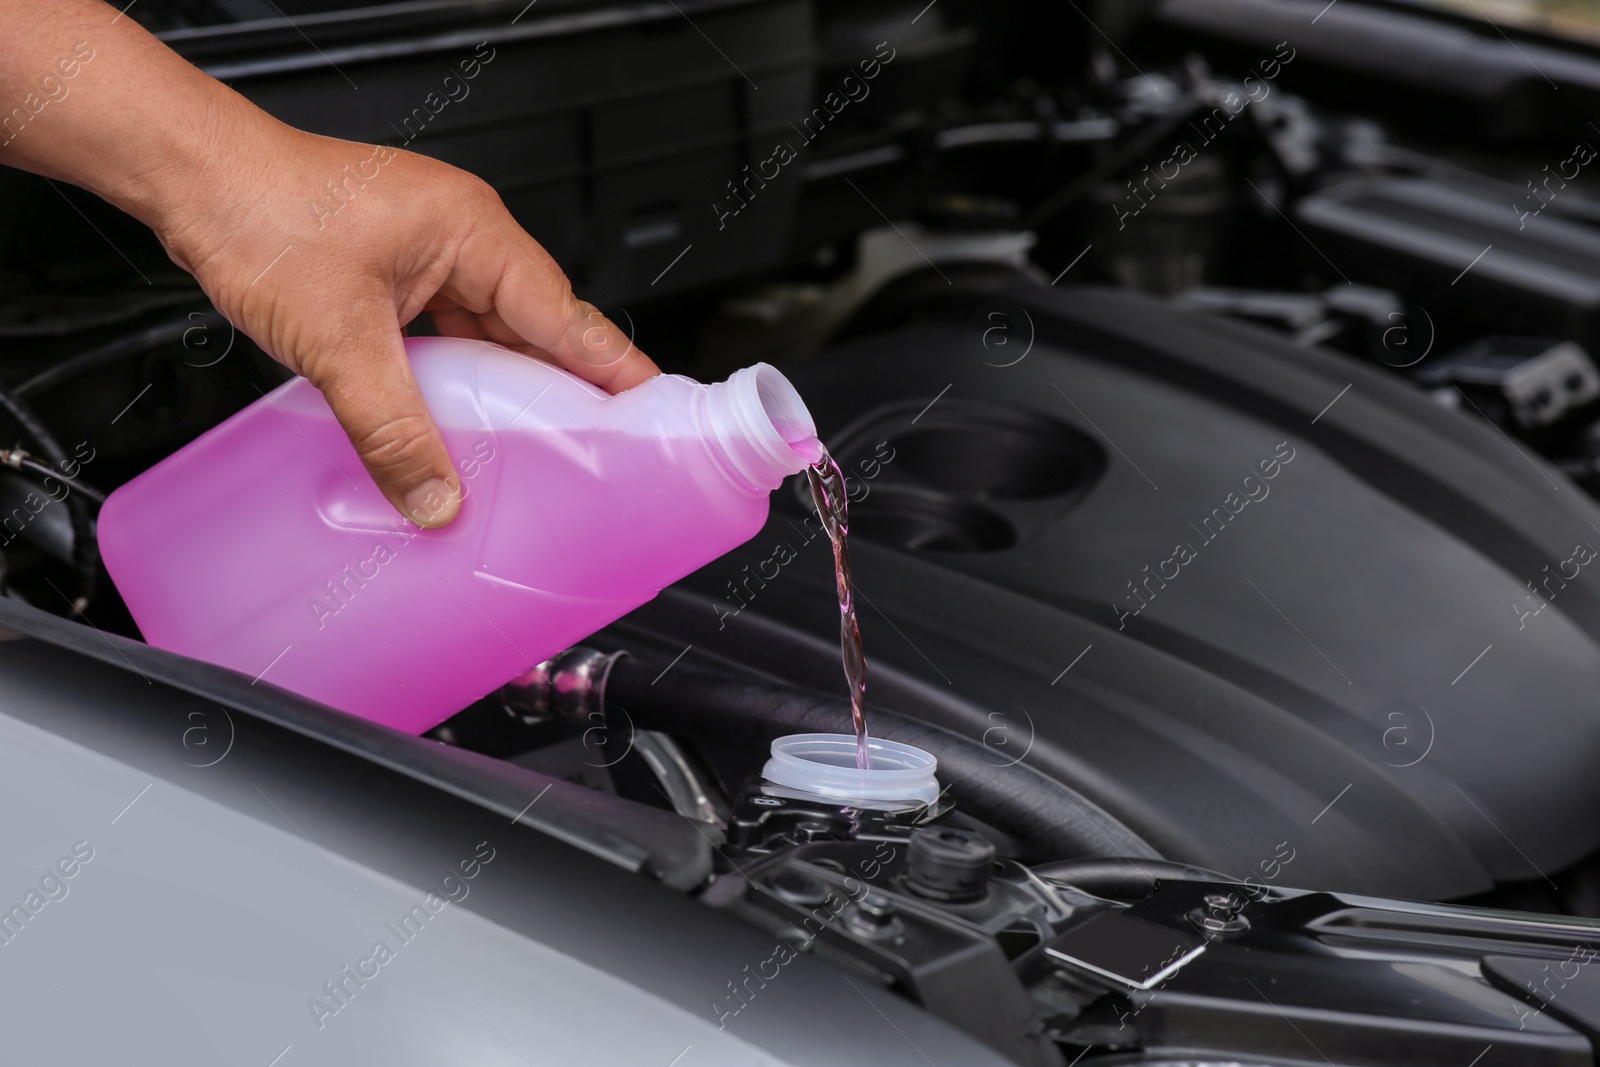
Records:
x=85, y=550
x=135, y=344
x=1052, y=820
x=44, y=470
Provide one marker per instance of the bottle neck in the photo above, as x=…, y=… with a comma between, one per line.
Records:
x=761, y=427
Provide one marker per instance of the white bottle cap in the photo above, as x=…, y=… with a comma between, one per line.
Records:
x=825, y=766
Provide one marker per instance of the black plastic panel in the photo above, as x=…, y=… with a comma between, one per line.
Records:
x=610, y=129
x=1538, y=274
x=1338, y=673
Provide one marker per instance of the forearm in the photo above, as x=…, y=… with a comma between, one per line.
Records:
x=88, y=96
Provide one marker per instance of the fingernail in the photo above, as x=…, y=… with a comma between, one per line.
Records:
x=433, y=503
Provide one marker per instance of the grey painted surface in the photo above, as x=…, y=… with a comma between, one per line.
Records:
x=194, y=935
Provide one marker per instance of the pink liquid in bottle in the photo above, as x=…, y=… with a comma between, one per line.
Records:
x=264, y=546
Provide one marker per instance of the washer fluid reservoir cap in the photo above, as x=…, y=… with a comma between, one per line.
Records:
x=824, y=765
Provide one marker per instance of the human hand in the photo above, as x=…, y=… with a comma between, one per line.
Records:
x=325, y=282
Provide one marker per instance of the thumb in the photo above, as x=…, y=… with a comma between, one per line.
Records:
x=375, y=397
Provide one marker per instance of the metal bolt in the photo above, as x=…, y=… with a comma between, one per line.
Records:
x=814, y=829
x=874, y=916
x=877, y=908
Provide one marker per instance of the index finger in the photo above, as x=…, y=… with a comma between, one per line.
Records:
x=531, y=295
x=576, y=334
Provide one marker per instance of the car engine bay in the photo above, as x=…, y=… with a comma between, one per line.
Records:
x=1214, y=383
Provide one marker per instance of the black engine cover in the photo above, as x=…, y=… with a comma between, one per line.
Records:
x=1293, y=594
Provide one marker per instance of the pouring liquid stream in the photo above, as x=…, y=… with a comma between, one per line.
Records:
x=833, y=508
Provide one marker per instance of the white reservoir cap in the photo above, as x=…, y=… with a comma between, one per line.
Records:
x=825, y=766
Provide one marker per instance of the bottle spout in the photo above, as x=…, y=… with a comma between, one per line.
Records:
x=762, y=426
